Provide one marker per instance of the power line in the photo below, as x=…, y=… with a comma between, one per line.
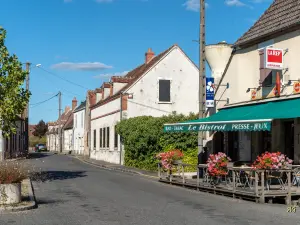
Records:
x=71, y=82
x=39, y=103
x=63, y=89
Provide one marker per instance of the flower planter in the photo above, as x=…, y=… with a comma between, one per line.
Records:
x=10, y=194
x=177, y=162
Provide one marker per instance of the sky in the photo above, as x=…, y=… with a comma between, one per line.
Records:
x=79, y=44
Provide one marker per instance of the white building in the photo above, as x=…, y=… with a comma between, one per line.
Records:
x=163, y=84
x=78, y=128
x=256, y=96
x=63, y=122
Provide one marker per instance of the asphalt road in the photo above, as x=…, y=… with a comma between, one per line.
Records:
x=72, y=192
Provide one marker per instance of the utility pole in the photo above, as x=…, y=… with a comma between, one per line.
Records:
x=59, y=119
x=202, y=78
x=27, y=109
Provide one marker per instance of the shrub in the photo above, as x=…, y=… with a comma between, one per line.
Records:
x=13, y=172
x=143, y=138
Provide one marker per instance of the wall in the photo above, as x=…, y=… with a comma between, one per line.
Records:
x=243, y=73
x=184, y=99
x=105, y=116
x=117, y=87
x=184, y=88
x=79, y=123
x=68, y=140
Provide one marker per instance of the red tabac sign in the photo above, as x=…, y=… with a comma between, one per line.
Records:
x=273, y=58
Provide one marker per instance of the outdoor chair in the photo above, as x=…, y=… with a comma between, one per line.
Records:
x=277, y=176
x=249, y=179
x=296, y=177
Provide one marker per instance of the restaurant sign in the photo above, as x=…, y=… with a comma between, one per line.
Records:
x=251, y=126
x=273, y=58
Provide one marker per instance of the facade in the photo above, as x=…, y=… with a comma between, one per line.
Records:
x=163, y=84
x=15, y=145
x=79, y=128
x=263, y=109
x=90, y=100
x=68, y=134
x=54, y=137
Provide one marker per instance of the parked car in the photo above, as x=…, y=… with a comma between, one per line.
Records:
x=40, y=148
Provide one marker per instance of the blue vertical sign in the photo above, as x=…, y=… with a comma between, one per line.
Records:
x=210, y=92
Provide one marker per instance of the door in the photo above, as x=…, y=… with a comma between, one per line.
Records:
x=289, y=139
x=233, y=145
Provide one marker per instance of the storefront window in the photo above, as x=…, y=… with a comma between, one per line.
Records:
x=266, y=141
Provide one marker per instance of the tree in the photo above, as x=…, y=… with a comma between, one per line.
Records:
x=40, y=129
x=13, y=97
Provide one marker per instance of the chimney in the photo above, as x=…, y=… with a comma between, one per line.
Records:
x=149, y=55
x=92, y=98
x=67, y=108
x=74, y=103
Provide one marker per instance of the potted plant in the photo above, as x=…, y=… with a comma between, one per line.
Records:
x=170, y=157
x=11, y=175
x=217, y=165
x=275, y=160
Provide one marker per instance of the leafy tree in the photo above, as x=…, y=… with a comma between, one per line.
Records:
x=143, y=137
x=13, y=97
x=40, y=129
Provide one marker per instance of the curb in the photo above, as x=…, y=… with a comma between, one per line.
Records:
x=112, y=168
x=32, y=203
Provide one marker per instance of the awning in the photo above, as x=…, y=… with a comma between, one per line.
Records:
x=254, y=117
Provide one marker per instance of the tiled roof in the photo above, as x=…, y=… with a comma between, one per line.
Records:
x=80, y=107
x=135, y=74
x=281, y=15
x=69, y=122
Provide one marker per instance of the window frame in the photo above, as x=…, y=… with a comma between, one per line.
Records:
x=107, y=136
x=95, y=135
x=116, y=138
x=100, y=135
x=104, y=137
x=158, y=85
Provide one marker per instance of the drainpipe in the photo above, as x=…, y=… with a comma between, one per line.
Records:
x=121, y=107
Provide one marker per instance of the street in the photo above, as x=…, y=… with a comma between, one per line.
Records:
x=72, y=192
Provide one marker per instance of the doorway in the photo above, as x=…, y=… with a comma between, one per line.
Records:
x=289, y=139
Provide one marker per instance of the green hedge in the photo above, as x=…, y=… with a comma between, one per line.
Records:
x=143, y=138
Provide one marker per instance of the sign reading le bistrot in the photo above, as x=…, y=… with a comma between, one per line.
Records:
x=256, y=126
x=273, y=58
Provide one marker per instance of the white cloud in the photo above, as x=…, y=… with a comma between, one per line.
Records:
x=234, y=3
x=88, y=66
x=111, y=74
x=193, y=5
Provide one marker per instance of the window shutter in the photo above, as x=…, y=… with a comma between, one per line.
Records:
x=164, y=90
x=264, y=73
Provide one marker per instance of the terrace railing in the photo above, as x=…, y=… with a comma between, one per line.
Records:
x=241, y=181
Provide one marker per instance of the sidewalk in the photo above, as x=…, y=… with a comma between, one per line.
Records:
x=118, y=167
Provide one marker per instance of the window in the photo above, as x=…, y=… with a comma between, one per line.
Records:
x=164, y=94
x=104, y=137
x=101, y=138
x=108, y=137
x=94, y=139
x=116, y=137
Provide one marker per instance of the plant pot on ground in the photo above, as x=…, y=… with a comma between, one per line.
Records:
x=11, y=176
